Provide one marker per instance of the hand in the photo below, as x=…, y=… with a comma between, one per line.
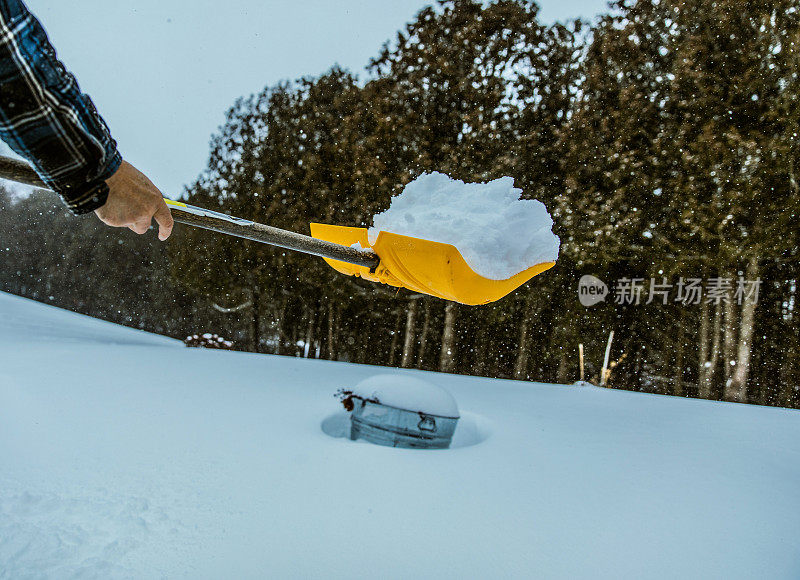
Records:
x=133, y=202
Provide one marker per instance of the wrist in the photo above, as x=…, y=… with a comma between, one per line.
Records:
x=92, y=197
x=87, y=196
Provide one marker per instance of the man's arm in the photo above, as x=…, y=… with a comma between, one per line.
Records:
x=45, y=118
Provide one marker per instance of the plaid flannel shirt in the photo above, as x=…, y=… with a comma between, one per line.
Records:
x=45, y=118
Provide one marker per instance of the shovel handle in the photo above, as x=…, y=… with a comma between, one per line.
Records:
x=21, y=172
x=241, y=228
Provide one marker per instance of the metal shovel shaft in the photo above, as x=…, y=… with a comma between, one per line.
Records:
x=21, y=172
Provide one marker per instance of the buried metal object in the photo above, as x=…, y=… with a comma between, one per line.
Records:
x=393, y=427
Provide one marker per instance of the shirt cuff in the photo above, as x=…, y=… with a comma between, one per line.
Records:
x=88, y=196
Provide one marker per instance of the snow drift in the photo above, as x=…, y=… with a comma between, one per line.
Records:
x=127, y=455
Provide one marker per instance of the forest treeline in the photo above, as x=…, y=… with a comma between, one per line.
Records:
x=663, y=139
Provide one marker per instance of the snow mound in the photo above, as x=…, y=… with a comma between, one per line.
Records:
x=408, y=393
x=497, y=233
x=25, y=320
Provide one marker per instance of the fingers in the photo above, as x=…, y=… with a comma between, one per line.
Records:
x=140, y=227
x=133, y=202
x=164, y=220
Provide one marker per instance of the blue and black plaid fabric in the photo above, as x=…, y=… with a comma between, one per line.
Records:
x=45, y=118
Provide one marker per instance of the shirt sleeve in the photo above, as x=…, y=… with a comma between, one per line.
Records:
x=45, y=118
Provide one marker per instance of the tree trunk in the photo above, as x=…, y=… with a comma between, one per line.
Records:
x=562, y=374
x=521, y=363
x=788, y=375
x=364, y=348
x=787, y=390
x=736, y=388
x=677, y=382
x=331, y=342
x=255, y=320
x=447, y=354
x=423, y=339
x=279, y=325
x=729, y=342
x=395, y=339
x=702, y=356
x=605, y=371
x=707, y=387
x=293, y=338
x=309, y=333
x=495, y=371
x=408, y=342
x=317, y=345
x=481, y=348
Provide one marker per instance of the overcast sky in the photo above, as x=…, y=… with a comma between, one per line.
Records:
x=163, y=72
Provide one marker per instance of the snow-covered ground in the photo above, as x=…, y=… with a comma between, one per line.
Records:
x=123, y=454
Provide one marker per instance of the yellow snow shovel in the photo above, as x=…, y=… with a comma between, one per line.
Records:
x=422, y=266
x=419, y=265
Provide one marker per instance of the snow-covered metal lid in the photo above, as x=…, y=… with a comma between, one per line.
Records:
x=408, y=393
x=397, y=410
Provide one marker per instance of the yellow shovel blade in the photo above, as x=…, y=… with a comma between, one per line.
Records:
x=422, y=266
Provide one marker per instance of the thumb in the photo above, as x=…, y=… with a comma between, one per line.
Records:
x=164, y=220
